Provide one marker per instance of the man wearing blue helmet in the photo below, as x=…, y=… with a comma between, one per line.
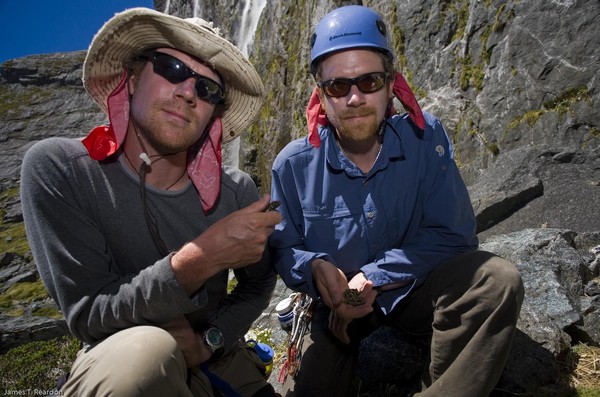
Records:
x=378, y=228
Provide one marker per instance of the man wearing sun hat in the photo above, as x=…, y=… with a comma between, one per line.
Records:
x=134, y=228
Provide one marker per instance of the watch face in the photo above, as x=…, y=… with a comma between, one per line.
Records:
x=214, y=338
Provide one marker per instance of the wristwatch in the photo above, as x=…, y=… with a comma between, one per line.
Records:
x=213, y=339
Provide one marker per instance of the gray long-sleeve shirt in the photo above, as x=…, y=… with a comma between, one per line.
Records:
x=88, y=235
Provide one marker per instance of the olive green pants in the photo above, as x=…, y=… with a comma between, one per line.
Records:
x=145, y=361
x=468, y=307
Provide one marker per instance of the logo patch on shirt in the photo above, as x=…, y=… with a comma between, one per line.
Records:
x=440, y=150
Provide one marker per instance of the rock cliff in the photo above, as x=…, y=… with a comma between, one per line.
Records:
x=515, y=83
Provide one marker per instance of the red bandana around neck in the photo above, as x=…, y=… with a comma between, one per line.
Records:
x=315, y=115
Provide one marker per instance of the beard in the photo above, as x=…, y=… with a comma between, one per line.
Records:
x=167, y=137
x=357, y=130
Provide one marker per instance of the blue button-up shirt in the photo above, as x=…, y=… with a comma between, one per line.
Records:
x=396, y=223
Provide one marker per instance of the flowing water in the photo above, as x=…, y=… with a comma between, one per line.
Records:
x=251, y=12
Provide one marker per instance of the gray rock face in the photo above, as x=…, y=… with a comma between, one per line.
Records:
x=556, y=266
x=501, y=75
x=516, y=85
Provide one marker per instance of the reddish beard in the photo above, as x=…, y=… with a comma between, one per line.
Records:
x=358, y=130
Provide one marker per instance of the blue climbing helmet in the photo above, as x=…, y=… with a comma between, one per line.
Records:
x=348, y=27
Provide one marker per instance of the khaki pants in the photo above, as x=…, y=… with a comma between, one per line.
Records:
x=468, y=306
x=145, y=361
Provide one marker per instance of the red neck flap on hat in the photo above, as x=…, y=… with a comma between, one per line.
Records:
x=103, y=140
x=315, y=115
x=204, y=168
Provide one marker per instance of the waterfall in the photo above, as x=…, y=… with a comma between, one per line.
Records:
x=195, y=7
x=248, y=24
x=243, y=40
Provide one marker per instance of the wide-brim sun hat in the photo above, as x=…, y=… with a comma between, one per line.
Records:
x=135, y=30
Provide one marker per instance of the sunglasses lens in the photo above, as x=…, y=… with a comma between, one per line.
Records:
x=366, y=83
x=371, y=82
x=170, y=68
x=176, y=72
x=209, y=91
x=337, y=88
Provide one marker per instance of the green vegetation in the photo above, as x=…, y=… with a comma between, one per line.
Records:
x=262, y=335
x=12, y=235
x=13, y=238
x=466, y=72
x=49, y=312
x=502, y=18
x=561, y=105
x=469, y=127
x=25, y=292
x=472, y=74
x=462, y=13
x=288, y=68
x=12, y=101
x=472, y=67
x=231, y=284
x=37, y=365
x=397, y=44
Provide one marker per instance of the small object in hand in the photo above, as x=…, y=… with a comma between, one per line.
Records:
x=351, y=297
x=272, y=206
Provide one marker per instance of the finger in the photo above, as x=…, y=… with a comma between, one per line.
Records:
x=176, y=323
x=331, y=321
x=343, y=336
x=370, y=296
x=334, y=325
x=337, y=284
x=350, y=312
x=338, y=327
x=324, y=294
x=272, y=219
x=258, y=206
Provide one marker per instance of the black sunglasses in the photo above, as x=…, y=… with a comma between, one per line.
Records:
x=366, y=83
x=175, y=71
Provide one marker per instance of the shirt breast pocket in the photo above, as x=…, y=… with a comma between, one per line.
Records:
x=338, y=232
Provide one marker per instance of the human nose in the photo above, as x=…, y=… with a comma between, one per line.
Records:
x=187, y=89
x=355, y=96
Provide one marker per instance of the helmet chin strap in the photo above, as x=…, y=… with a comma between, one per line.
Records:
x=389, y=113
x=381, y=128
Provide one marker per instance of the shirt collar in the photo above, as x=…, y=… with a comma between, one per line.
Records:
x=392, y=150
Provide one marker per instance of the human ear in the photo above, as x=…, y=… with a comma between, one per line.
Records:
x=131, y=83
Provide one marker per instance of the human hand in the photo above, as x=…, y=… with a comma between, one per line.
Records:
x=364, y=287
x=365, y=295
x=332, y=283
x=235, y=241
x=188, y=341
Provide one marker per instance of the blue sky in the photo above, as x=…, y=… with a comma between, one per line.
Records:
x=45, y=26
